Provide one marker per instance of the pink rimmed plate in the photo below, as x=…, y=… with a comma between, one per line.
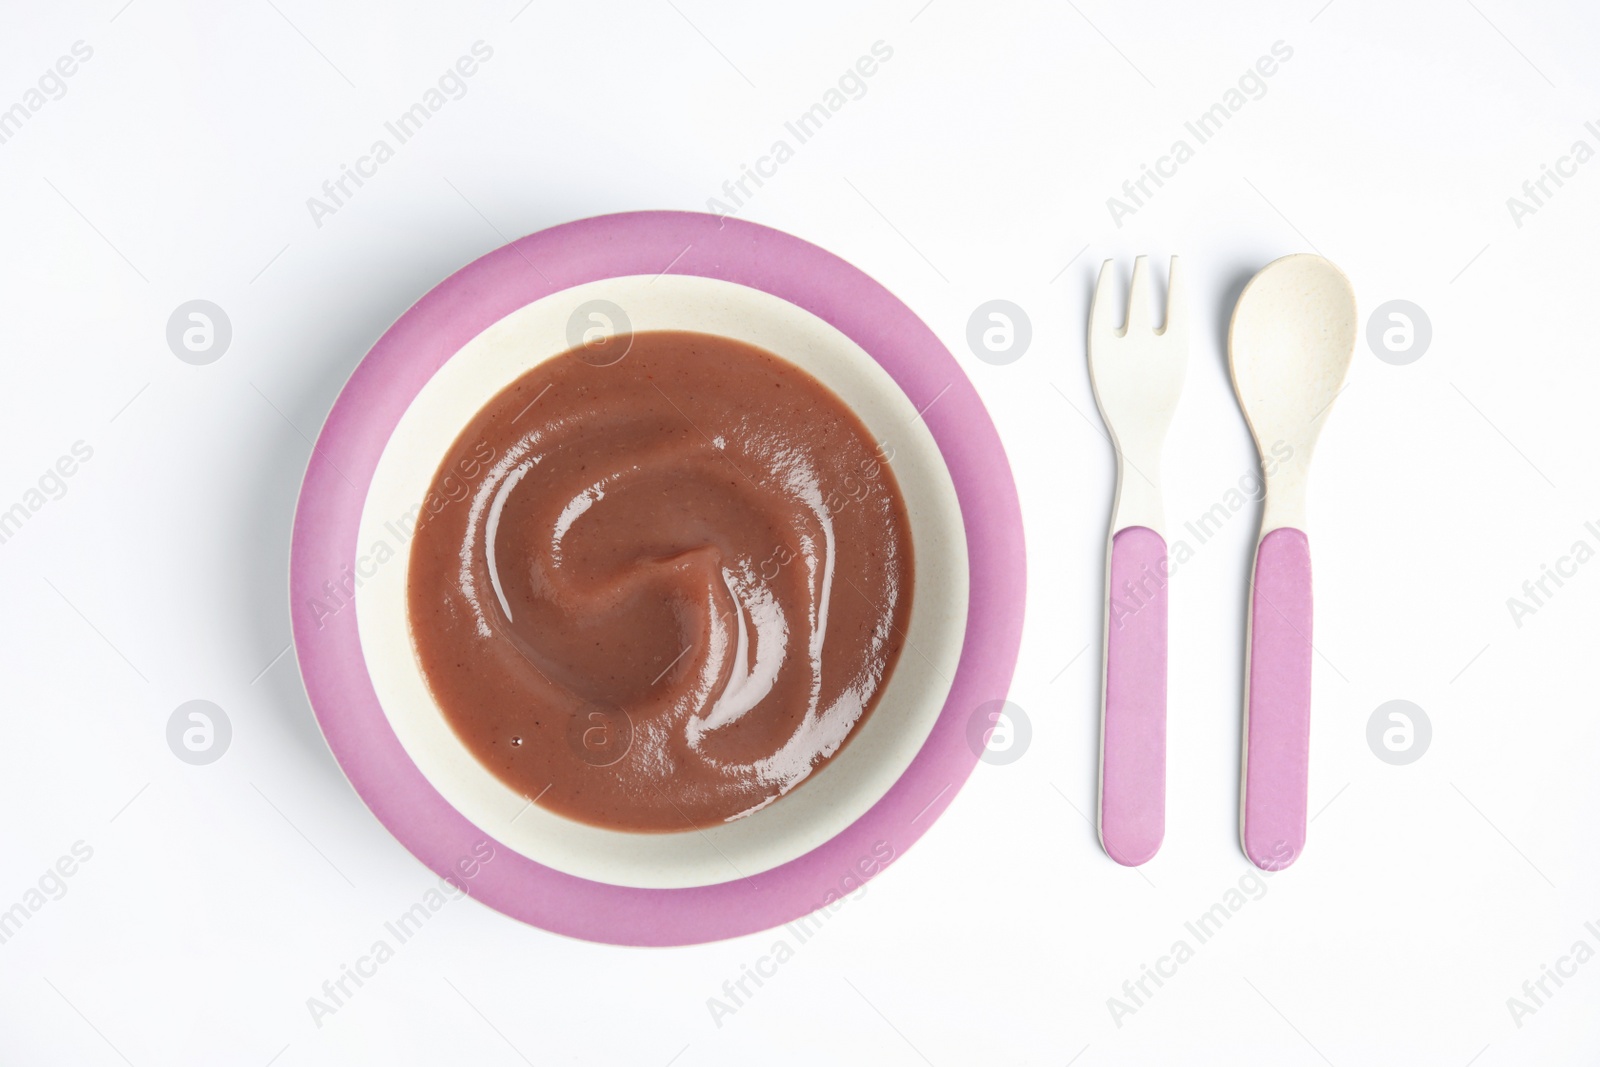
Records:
x=487, y=324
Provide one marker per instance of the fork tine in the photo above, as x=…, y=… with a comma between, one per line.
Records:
x=1174, y=324
x=1139, y=317
x=1102, y=326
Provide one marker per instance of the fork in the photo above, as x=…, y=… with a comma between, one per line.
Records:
x=1137, y=373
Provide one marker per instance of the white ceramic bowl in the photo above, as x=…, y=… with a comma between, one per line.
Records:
x=882, y=747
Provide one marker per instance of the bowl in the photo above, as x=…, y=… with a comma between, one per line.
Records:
x=880, y=748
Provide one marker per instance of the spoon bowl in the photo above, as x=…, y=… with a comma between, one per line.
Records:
x=1289, y=348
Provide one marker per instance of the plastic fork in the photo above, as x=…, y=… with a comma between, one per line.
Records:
x=1137, y=372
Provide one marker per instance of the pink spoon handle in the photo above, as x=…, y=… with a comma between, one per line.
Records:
x=1133, y=730
x=1278, y=702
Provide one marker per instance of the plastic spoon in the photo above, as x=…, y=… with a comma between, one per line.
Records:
x=1289, y=347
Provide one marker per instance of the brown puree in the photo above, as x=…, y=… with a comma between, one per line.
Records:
x=677, y=591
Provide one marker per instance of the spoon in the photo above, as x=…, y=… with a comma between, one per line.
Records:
x=1289, y=347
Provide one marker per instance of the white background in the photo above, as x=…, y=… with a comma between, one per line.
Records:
x=219, y=898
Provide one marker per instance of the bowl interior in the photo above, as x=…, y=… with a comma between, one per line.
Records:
x=882, y=747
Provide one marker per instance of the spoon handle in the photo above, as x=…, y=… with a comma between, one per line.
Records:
x=1133, y=711
x=1277, y=742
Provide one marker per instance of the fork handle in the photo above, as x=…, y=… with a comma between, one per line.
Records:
x=1133, y=713
x=1277, y=743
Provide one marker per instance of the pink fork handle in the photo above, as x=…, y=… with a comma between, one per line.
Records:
x=1133, y=741
x=1278, y=702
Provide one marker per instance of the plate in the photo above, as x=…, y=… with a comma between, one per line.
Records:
x=486, y=325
